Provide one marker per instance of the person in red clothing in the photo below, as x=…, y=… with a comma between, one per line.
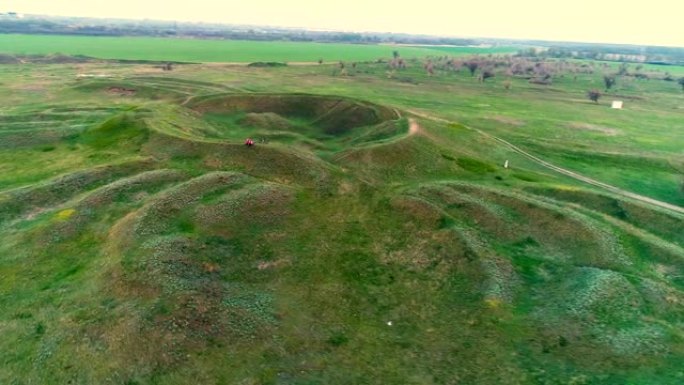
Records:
x=249, y=142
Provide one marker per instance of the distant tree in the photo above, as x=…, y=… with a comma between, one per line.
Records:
x=623, y=69
x=594, y=95
x=609, y=81
x=486, y=74
x=451, y=64
x=397, y=63
x=518, y=68
x=681, y=83
x=429, y=67
x=472, y=66
x=395, y=54
x=354, y=65
x=341, y=64
x=320, y=61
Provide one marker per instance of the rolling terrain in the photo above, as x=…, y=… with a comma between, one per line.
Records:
x=371, y=236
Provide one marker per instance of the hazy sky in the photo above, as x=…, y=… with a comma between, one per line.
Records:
x=658, y=22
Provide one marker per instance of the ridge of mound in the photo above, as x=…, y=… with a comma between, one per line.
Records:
x=314, y=121
x=267, y=120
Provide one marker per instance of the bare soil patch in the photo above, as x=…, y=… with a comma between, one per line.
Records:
x=508, y=120
x=593, y=127
x=121, y=91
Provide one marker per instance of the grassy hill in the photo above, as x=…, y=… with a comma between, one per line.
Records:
x=372, y=234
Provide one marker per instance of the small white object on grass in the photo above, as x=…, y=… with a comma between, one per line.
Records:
x=617, y=104
x=389, y=323
x=506, y=164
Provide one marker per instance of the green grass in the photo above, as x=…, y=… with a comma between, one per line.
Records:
x=474, y=165
x=198, y=50
x=474, y=50
x=142, y=243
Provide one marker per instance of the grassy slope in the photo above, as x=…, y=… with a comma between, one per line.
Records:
x=550, y=121
x=168, y=255
x=197, y=50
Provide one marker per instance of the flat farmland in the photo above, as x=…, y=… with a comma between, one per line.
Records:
x=198, y=50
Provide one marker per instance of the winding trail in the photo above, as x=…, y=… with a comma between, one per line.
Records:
x=564, y=171
x=187, y=100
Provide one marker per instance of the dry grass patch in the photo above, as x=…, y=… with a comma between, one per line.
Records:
x=593, y=127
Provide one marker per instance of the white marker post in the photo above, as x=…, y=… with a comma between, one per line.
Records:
x=506, y=164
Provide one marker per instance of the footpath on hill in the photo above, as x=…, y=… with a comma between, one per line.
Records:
x=564, y=171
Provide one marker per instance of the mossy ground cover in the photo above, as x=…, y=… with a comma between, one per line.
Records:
x=143, y=243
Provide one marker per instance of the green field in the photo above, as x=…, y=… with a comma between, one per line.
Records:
x=198, y=50
x=371, y=236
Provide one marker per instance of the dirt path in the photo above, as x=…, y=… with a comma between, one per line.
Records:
x=564, y=171
x=188, y=99
x=414, y=128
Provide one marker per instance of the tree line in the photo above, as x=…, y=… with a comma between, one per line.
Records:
x=114, y=27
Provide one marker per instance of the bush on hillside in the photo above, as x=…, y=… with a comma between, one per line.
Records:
x=594, y=95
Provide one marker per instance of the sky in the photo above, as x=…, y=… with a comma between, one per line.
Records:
x=655, y=22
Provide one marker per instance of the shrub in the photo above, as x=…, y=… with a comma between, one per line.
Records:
x=594, y=95
x=609, y=81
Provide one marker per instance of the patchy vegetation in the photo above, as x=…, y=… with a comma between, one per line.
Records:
x=261, y=64
x=378, y=231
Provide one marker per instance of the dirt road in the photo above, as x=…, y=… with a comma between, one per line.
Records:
x=564, y=171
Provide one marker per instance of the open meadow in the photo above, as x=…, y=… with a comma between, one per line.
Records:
x=206, y=50
x=422, y=219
